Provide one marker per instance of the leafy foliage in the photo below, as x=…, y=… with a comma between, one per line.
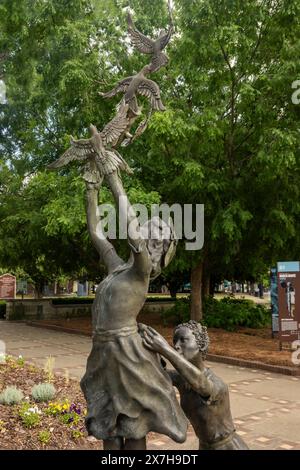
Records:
x=230, y=313
x=44, y=437
x=227, y=313
x=30, y=415
x=229, y=138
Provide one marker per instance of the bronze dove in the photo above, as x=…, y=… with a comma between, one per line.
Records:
x=139, y=131
x=95, y=148
x=149, y=46
x=138, y=84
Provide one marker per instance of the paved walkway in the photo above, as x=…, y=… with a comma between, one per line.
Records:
x=265, y=406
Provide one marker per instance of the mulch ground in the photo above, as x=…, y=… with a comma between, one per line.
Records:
x=244, y=343
x=14, y=435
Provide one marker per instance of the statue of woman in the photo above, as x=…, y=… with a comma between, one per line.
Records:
x=204, y=396
x=127, y=391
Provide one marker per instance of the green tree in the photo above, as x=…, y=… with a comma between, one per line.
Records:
x=230, y=136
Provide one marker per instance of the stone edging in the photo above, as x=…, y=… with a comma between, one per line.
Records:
x=295, y=371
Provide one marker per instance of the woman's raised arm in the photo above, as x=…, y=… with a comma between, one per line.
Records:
x=105, y=249
x=135, y=239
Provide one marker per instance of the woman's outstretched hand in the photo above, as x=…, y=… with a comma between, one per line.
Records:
x=153, y=340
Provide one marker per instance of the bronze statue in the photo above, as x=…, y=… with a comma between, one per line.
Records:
x=149, y=46
x=204, y=397
x=138, y=84
x=139, y=131
x=96, y=148
x=127, y=391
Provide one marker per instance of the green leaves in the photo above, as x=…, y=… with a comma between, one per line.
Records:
x=229, y=138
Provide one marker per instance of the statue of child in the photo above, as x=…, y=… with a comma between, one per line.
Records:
x=204, y=396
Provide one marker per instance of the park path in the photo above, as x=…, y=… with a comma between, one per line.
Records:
x=265, y=406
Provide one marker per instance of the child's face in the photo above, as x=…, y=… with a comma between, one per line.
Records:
x=185, y=343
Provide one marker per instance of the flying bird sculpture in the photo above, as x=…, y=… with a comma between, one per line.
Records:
x=149, y=46
x=138, y=132
x=99, y=148
x=138, y=84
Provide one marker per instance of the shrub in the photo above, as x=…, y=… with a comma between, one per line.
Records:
x=44, y=437
x=11, y=396
x=90, y=300
x=20, y=361
x=30, y=415
x=72, y=300
x=77, y=434
x=179, y=313
x=70, y=418
x=43, y=392
x=227, y=313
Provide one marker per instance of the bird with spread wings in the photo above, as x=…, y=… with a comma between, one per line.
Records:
x=98, y=152
x=138, y=84
x=149, y=46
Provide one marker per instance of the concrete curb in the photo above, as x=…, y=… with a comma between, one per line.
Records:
x=293, y=371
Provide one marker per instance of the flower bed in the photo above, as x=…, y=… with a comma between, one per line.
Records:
x=53, y=424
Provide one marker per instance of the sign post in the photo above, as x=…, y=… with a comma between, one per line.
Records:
x=288, y=275
x=274, y=301
x=7, y=287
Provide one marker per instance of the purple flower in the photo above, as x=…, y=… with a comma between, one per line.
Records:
x=75, y=408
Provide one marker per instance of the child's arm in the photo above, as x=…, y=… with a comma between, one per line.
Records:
x=197, y=380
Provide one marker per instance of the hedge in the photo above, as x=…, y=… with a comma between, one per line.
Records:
x=227, y=313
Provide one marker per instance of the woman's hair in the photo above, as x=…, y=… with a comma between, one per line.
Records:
x=157, y=229
x=200, y=333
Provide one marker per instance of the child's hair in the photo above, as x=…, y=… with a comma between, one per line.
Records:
x=200, y=333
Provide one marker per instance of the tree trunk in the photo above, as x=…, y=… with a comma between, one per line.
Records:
x=212, y=284
x=38, y=289
x=205, y=284
x=196, y=293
